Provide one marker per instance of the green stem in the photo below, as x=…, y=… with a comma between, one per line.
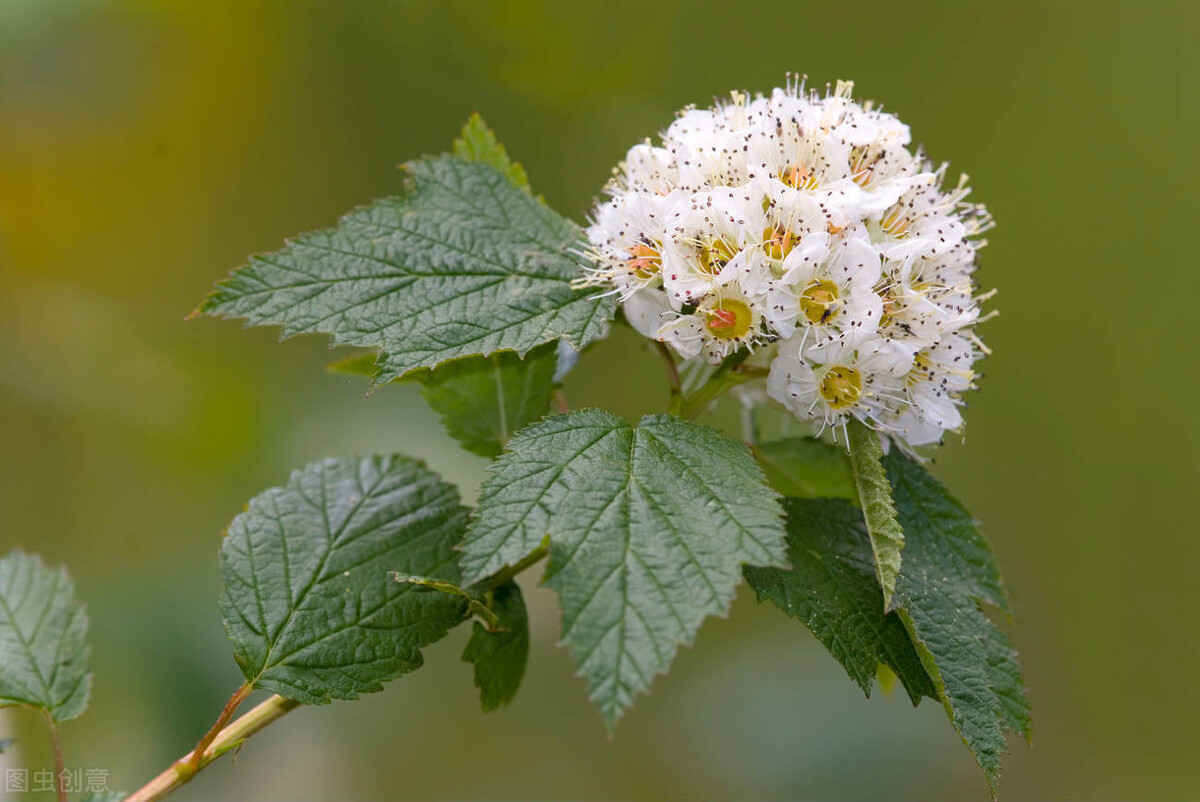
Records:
x=509, y=571
x=730, y=374
x=60, y=765
x=183, y=770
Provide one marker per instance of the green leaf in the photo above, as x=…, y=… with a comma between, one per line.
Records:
x=476, y=605
x=648, y=529
x=360, y=363
x=464, y=264
x=308, y=603
x=801, y=467
x=483, y=400
x=499, y=654
x=832, y=589
x=948, y=572
x=43, y=638
x=875, y=496
x=478, y=143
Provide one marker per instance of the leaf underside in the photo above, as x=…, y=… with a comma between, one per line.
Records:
x=43, y=638
x=500, y=656
x=949, y=572
x=465, y=263
x=483, y=400
x=801, y=467
x=875, y=497
x=308, y=602
x=648, y=529
x=832, y=588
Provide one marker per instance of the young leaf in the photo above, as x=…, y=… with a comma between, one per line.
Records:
x=482, y=400
x=801, y=467
x=464, y=264
x=832, y=589
x=499, y=654
x=875, y=496
x=948, y=572
x=476, y=604
x=359, y=363
x=478, y=143
x=308, y=603
x=43, y=638
x=648, y=529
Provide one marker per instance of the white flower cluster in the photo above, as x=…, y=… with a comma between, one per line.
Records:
x=803, y=222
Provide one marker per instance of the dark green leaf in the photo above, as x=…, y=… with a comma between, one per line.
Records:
x=464, y=264
x=948, y=572
x=308, y=602
x=483, y=400
x=478, y=143
x=499, y=654
x=43, y=638
x=832, y=589
x=801, y=467
x=476, y=604
x=875, y=496
x=648, y=529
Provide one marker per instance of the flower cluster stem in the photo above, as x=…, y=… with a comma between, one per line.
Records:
x=730, y=374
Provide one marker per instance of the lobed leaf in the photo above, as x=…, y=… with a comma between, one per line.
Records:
x=875, y=497
x=948, y=573
x=832, y=589
x=43, y=638
x=478, y=143
x=308, y=603
x=500, y=654
x=465, y=263
x=648, y=529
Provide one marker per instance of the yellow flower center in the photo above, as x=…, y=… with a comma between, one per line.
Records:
x=895, y=222
x=841, y=387
x=729, y=319
x=862, y=163
x=798, y=177
x=819, y=300
x=645, y=261
x=779, y=242
x=715, y=255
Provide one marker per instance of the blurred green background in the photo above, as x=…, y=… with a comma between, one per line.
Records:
x=146, y=147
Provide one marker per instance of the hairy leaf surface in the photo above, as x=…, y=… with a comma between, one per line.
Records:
x=308, y=602
x=43, y=638
x=499, y=655
x=465, y=263
x=648, y=529
x=948, y=572
x=832, y=589
x=875, y=496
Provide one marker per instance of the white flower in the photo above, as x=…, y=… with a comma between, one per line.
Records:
x=721, y=324
x=808, y=225
x=863, y=382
